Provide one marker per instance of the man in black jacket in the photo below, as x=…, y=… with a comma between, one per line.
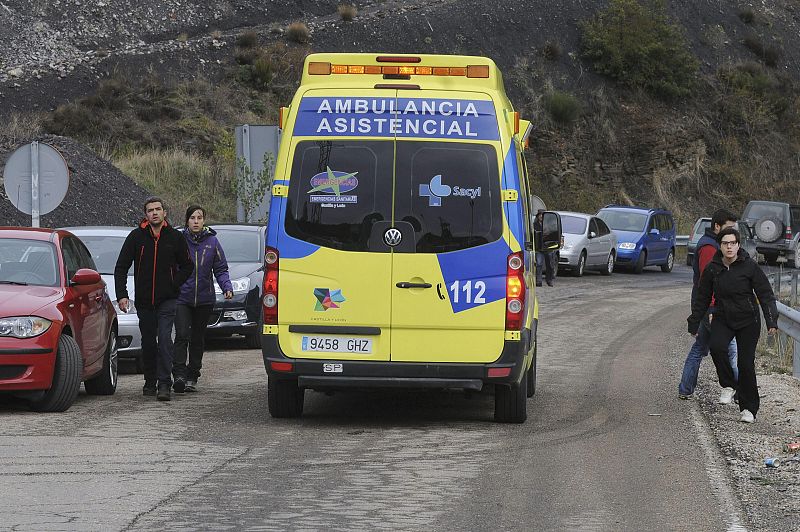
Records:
x=161, y=265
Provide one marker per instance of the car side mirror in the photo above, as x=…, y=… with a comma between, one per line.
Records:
x=85, y=276
x=592, y=234
x=655, y=231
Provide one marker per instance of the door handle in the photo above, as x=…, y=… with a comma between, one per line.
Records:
x=405, y=284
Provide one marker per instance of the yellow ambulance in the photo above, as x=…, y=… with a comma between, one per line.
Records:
x=400, y=240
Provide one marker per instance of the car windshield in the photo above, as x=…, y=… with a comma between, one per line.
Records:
x=760, y=210
x=701, y=227
x=624, y=221
x=239, y=245
x=573, y=225
x=28, y=262
x=105, y=251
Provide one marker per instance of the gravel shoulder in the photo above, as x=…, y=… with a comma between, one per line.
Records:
x=769, y=497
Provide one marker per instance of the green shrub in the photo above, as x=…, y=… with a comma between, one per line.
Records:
x=262, y=72
x=637, y=45
x=747, y=16
x=347, y=11
x=552, y=51
x=298, y=32
x=769, y=54
x=247, y=39
x=563, y=107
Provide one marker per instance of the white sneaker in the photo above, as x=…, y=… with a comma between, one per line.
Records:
x=726, y=396
x=747, y=417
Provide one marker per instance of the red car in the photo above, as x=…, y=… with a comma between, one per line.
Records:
x=57, y=324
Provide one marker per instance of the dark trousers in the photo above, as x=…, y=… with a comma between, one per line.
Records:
x=746, y=339
x=190, y=330
x=155, y=324
x=545, y=260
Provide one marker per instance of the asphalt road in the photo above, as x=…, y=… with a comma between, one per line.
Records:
x=606, y=447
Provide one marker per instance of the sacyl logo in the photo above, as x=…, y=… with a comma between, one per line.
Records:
x=392, y=237
x=435, y=191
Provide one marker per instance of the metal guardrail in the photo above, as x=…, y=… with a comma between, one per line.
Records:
x=682, y=240
x=788, y=317
x=789, y=325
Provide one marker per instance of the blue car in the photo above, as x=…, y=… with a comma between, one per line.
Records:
x=645, y=237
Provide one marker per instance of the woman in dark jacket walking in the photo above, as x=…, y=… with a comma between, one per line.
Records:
x=734, y=280
x=197, y=298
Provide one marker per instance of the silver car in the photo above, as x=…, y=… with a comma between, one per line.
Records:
x=104, y=243
x=588, y=244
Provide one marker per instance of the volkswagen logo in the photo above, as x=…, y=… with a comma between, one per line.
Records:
x=392, y=237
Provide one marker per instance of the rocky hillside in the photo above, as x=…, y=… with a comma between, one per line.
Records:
x=721, y=145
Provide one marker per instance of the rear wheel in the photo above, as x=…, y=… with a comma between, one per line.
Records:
x=609, y=269
x=510, y=402
x=796, y=261
x=284, y=397
x=105, y=382
x=66, y=378
x=640, y=262
x=667, y=266
x=581, y=265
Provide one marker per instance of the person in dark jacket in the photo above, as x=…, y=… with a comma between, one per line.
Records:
x=707, y=246
x=545, y=258
x=161, y=265
x=197, y=298
x=735, y=280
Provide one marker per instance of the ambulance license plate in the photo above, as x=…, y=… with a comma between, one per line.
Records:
x=337, y=344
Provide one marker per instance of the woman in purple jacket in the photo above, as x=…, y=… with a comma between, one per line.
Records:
x=197, y=299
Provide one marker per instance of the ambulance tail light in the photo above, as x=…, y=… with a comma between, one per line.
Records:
x=515, y=292
x=269, y=292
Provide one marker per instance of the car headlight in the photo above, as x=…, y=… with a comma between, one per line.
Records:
x=23, y=326
x=239, y=286
x=627, y=245
x=131, y=307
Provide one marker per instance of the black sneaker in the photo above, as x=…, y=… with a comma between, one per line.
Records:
x=164, y=393
x=538, y=283
x=191, y=385
x=179, y=385
x=149, y=388
x=549, y=283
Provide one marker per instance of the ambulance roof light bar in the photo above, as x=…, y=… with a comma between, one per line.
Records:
x=316, y=68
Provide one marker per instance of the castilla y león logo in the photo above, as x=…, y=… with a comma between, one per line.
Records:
x=327, y=299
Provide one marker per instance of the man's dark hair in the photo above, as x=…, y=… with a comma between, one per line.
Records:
x=728, y=231
x=153, y=199
x=190, y=212
x=721, y=216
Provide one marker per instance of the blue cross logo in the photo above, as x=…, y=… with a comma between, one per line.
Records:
x=435, y=191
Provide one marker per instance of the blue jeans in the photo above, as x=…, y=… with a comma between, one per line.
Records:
x=700, y=349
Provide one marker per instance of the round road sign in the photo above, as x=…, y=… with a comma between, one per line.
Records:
x=53, y=178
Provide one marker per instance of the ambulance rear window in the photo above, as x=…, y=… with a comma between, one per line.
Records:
x=450, y=193
x=338, y=190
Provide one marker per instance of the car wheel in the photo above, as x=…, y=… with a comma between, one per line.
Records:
x=609, y=269
x=511, y=402
x=66, y=378
x=797, y=255
x=667, y=267
x=284, y=397
x=254, y=340
x=640, y=262
x=105, y=382
x=769, y=229
x=530, y=375
x=581, y=265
